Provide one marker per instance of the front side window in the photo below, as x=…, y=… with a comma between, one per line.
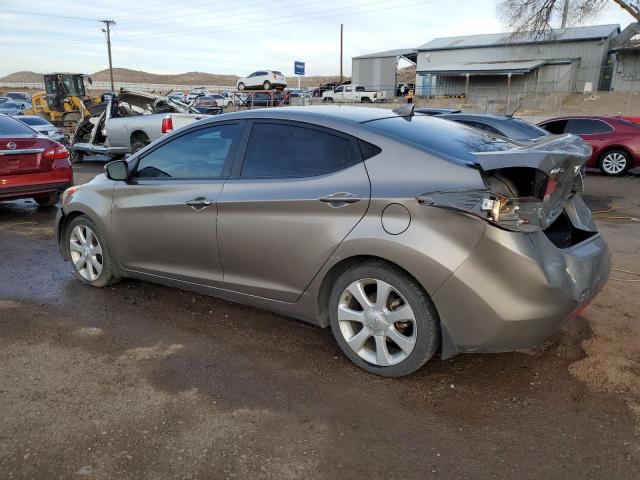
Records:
x=339, y=89
x=286, y=151
x=586, y=126
x=199, y=154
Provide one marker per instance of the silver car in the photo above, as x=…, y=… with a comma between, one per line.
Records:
x=407, y=235
x=43, y=127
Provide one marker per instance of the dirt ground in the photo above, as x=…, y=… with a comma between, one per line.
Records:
x=138, y=381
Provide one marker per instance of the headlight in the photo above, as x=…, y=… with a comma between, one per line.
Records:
x=68, y=194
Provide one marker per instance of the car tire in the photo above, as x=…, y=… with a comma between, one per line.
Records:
x=365, y=100
x=367, y=336
x=76, y=157
x=614, y=162
x=266, y=85
x=241, y=86
x=229, y=104
x=47, y=200
x=139, y=144
x=100, y=270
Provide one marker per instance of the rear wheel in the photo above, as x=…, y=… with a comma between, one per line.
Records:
x=383, y=321
x=76, y=156
x=365, y=100
x=89, y=253
x=47, y=200
x=266, y=85
x=614, y=162
x=138, y=143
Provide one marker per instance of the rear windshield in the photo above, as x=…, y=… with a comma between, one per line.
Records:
x=449, y=139
x=34, y=121
x=277, y=72
x=10, y=126
x=524, y=130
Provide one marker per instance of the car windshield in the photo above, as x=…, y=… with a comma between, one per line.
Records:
x=9, y=106
x=277, y=72
x=34, y=121
x=451, y=140
x=10, y=126
x=16, y=96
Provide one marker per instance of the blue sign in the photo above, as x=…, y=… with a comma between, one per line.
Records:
x=298, y=68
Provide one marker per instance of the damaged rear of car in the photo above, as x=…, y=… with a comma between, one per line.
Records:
x=540, y=259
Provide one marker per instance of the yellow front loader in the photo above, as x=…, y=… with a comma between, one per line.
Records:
x=64, y=100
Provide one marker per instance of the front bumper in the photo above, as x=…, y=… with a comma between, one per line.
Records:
x=516, y=289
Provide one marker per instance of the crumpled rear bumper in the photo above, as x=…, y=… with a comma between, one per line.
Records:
x=516, y=289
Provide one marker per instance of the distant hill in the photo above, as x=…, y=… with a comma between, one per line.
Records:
x=29, y=77
x=190, y=78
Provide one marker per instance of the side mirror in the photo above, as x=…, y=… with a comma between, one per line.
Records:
x=117, y=170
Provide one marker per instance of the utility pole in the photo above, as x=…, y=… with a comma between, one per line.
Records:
x=565, y=13
x=108, y=24
x=341, y=30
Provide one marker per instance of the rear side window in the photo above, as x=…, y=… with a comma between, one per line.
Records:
x=587, y=126
x=449, y=139
x=556, y=127
x=285, y=151
x=10, y=126
x=199, y=154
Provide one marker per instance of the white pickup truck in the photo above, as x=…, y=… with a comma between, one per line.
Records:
x=353, y=94
x=128, y=122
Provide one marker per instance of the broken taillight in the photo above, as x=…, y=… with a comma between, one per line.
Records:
x=167, y=124
x=507, y=204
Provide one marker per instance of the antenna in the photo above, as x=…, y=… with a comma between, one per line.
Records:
x=405, y=110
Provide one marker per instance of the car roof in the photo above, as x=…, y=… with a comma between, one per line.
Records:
x=590, y=117
x=339, y=112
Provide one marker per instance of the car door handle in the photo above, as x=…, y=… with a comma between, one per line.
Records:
x=339, y=199
x=199, y=203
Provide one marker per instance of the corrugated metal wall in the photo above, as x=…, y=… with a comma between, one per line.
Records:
x=378, y=73
x=626, y=75
x=591, y=55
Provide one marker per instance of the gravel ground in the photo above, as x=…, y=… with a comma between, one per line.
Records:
x=139, y=381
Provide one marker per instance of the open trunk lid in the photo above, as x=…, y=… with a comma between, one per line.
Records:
x=526, y=187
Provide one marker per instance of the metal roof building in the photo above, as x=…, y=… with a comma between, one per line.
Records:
x=503, y=67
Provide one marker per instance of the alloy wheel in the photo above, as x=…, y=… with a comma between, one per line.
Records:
x=86, y=252
x=377, y=322
x=614, y=163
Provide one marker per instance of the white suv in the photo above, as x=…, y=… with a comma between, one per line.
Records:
x=263, y=79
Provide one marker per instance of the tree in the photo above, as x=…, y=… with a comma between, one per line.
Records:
x=537, y=16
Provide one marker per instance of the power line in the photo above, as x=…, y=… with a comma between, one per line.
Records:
x=50, y=15
x=252, y=24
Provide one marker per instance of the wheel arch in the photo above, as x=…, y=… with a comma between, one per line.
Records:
x=138, y=135
x=609, y=148
x=324, y=291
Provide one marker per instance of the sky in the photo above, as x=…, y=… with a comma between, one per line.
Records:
x=231, y=36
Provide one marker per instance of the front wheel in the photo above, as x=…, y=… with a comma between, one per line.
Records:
x=241, y=86
x=614, y=162
x=89, y=253
x=383, y=320
x=266, y=85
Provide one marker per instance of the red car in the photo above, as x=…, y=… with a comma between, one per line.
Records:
x=615, y=140
x=31, y=165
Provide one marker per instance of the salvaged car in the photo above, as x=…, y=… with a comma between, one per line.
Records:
x=31, y=166
x=408, y=235
x=128, y=122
